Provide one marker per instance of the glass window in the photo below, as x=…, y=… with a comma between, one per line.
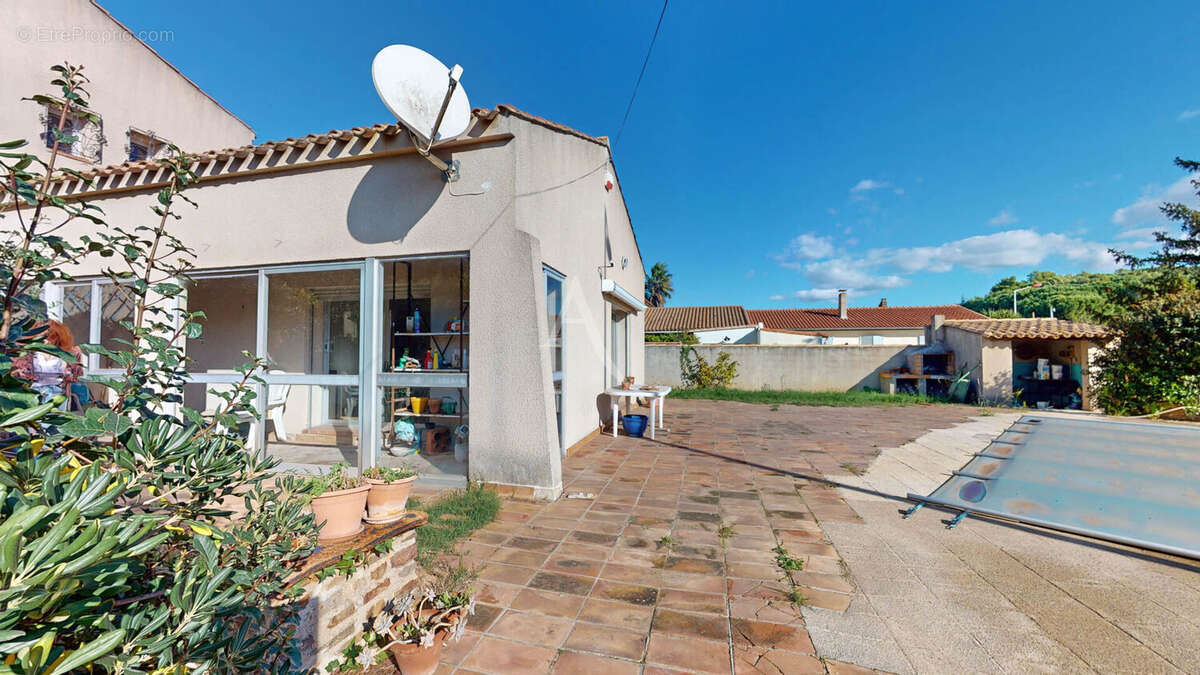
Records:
x=116, y=316
x=77, y=311
x=313, y=321
x=230, y=306
x=425, y=313
x=620, y=350
x=554, y=322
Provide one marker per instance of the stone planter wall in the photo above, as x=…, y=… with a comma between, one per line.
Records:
x=335, y=610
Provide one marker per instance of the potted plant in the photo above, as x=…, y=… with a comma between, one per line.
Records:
x=389, y=493
x=337, y=500
x=414, y=626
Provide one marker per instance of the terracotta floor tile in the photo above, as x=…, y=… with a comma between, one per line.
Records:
x=688, y=653
x=606, y=640
x=576, y=663
x=692, y=601
x=583, y=551
x=760, y=609
x=642, y=576
x=569, y=565
x=747, y=633
x=538, y=629
x=708, y=626
x=776, y=662
x=484, y=616
x=561, y=583
x=496, y=593
x=532, y=544
x=694, y=582
x=454, y=652
x=494, y=655
x=562, y=605
x=517, y=556
x=508, y=574
x=616, y=614
x=631, y=593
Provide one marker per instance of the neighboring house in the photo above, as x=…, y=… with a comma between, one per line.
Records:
x=882, y=325
x=318, y=252
x=841, y=325
x=1003, y=355
x=143, y=101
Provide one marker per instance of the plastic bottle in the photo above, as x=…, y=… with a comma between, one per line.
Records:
x=436, y=361
x=428, y=364
x=416, y=321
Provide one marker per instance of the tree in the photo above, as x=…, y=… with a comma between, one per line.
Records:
x=118, y=549
x=1176, y=251
x=1154, y=363
x=658, y=285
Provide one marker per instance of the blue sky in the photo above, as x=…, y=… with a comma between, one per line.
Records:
x=778, y=151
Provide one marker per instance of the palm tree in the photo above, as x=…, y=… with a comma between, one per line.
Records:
x=658, y=285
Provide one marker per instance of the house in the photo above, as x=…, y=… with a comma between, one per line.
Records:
x=143, y=101
x=881, y=325
x=720, y=324
x=517, y=287
x=1004, y=356
x=841, y=325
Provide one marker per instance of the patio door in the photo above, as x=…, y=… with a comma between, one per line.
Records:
x=618, y=364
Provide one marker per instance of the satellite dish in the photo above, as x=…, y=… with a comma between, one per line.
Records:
x=424, y=95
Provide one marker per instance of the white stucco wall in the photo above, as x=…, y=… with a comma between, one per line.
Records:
x=131, y=86
x=743, y=335
x=520, y=203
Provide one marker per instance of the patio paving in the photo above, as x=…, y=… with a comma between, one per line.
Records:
x=636, y=578
x=637, y=574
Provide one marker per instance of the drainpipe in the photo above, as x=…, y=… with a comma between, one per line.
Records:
x=842, y=304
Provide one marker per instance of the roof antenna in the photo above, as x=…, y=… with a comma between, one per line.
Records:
x=426, y=98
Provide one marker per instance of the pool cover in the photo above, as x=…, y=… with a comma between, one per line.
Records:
x=1128, y=482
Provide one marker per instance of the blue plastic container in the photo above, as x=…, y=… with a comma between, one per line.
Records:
x=635, y=425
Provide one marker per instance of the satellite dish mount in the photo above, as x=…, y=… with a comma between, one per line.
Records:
x=426, y=98
x=424, y=143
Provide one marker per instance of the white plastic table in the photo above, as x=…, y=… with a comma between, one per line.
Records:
x=616, y=393
x=657, y=396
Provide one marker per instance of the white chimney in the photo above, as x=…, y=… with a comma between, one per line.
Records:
x=842, y=304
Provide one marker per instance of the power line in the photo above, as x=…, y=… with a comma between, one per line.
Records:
x=640, y=74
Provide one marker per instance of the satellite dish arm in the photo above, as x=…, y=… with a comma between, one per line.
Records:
x=424, y=145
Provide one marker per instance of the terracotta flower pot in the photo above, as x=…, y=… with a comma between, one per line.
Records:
x=435, y=406
x=413, y=659
x=386, y=501
x=341, y=511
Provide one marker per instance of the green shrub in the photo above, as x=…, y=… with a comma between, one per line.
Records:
x=696, y=372
x=118, y=549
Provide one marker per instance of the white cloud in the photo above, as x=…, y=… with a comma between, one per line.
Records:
x=1005, y=217
x=1146, y=210
x=814, y=294
x=1189, y=114
x=776, y=297
x=868, y=184
x=750, y=273
x=1010, y=248
x=1140, y=233
x=849, y=273
x=808, y=246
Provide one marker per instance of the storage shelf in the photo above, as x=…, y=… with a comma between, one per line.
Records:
x=444, y=333
x=406, y=413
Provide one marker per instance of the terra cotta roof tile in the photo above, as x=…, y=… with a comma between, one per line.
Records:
x=1047, y=329
x=857, y=318
x=673, y=319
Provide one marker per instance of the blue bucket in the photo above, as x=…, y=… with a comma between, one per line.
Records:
x=634, y=425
